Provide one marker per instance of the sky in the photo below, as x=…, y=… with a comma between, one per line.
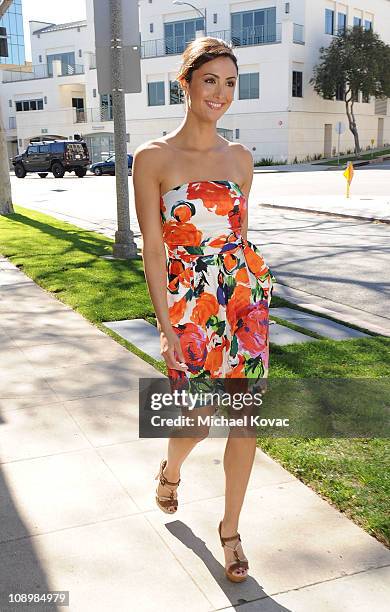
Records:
x=52, y=11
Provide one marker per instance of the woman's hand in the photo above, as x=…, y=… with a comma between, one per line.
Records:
x=171, y=351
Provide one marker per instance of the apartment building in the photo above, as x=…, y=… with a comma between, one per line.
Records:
x=275, y=111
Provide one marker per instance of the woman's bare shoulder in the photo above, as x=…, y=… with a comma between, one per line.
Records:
x=152, y=154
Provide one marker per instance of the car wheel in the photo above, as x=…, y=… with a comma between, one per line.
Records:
x=80, y=172
x=43, y=174
x=20, y=172
x=58, y=170
x=98, y=171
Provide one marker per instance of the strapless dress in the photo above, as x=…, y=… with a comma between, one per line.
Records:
x=219, y=287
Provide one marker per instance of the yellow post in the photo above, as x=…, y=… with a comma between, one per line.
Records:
x=348, y=173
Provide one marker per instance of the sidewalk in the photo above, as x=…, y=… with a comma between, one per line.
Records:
x=77, y=508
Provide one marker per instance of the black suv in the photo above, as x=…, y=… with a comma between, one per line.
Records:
x=56, y=156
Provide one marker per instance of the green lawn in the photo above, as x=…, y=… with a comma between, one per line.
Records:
x=353, y=474
x=352, y=157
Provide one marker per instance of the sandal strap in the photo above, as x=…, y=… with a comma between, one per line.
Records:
x=163, y=480
x=167, y=502
x=231, y=538
x=238, y=565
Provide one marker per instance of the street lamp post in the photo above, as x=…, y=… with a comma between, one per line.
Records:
x=203, y=15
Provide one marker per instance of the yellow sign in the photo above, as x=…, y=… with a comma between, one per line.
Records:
x=348, y=173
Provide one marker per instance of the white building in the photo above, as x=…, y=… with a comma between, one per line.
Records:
x=275, y=112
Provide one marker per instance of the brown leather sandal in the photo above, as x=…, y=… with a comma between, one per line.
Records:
x=164, y=503
x=239, y=563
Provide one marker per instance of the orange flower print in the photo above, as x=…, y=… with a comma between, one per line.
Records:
x=176, y=312
x=183, y=211
x=206, y=306
x=256, y=263
x=175, y=233
x=213, y=196
x=239, y=299
x=242, y=276
x=215, y=353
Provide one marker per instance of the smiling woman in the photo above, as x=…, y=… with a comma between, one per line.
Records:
x=210, y=287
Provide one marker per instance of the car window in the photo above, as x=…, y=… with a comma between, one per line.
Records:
x=32, y=150
x=111, y=158
x=57, y=147
x=44, y=148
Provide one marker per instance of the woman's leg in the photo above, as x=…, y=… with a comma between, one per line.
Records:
x=238, y=461
x=180, y=447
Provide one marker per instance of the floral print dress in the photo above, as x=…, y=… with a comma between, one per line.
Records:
x=219, y=287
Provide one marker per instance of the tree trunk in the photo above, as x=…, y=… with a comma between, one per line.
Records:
x=352, y=121
x=6, y=207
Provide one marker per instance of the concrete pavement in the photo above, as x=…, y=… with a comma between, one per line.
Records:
x=77, y=507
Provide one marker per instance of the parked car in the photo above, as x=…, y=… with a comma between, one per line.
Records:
x=56, y=156
x=108, y=166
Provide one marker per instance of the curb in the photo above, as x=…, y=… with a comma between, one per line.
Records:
x=324, y=212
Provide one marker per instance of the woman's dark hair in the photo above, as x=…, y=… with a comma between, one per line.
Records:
x=200, y=51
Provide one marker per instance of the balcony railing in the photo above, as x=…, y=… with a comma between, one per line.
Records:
x=37, y=72
x=40, y=71
x=94, y=115
x=69, y=69
x=256, y=35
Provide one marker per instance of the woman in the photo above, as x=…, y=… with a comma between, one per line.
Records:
x=191, y=189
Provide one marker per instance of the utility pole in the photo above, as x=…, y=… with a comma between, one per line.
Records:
x=124, y=246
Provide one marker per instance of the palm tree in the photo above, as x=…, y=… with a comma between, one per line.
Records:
x=6, y=207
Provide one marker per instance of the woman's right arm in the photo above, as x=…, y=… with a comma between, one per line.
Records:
x=147, y=204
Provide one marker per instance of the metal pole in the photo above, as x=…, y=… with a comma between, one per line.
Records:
x=124, y=245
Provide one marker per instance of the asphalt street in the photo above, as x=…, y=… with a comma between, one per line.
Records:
x=345, y=260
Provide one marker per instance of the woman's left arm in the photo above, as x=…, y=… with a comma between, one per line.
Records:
x=246, y=163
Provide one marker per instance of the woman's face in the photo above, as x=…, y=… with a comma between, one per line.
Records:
x=211, y=90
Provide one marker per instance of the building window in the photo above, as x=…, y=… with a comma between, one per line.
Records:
x=340, y=92
x=94, y=93
x=176, y=94
x=45, y=99
x=29, y=105
x=156, y=94
x=67, y=62
x=12, y=123
x=150, y=27
x=329, y=21
x=248, y=86
x=341, y=23
x=10, y=103
x=254, y=27
x=215, y=17
x=12, y=20
x=80, y=53
x=106, y=113
x=368, y=24
x=357, y=21
x=40, y=59
x=237, y=133
x=297, y=84
x=178, y=34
